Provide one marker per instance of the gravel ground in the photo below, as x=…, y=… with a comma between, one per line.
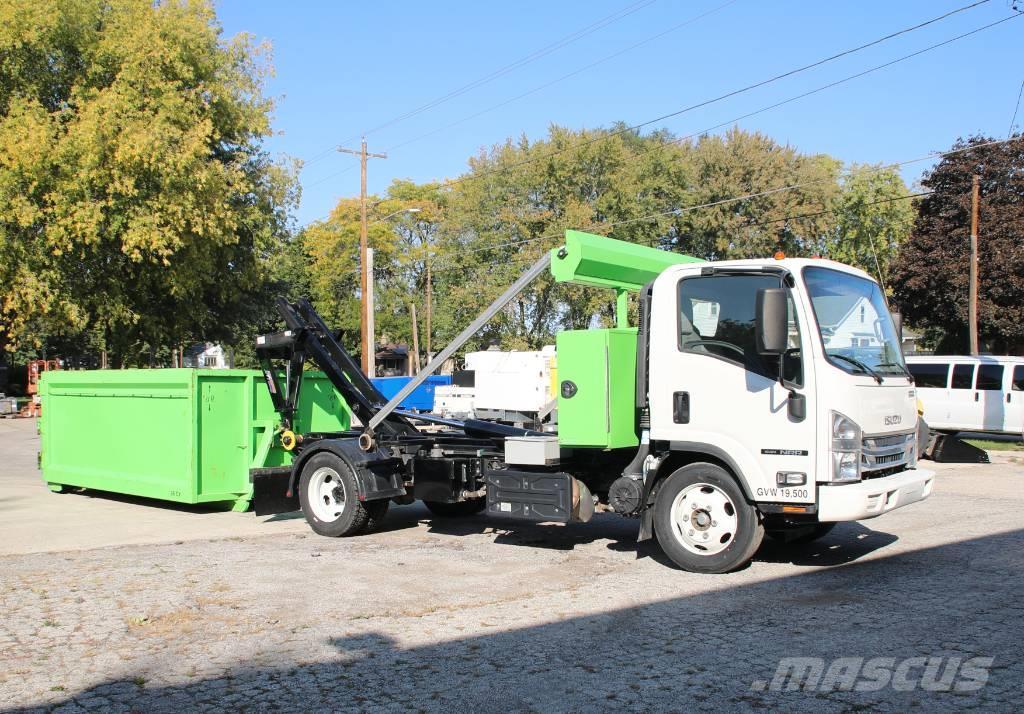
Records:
x=476, y=615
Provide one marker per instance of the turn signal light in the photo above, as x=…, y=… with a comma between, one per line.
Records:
x=794, y=509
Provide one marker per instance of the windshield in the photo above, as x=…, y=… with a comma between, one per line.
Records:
x=854, y=322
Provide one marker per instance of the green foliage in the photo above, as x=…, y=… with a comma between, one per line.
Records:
x=483, y=229
x=871, y=221
x=137, y=207
x=931, y=274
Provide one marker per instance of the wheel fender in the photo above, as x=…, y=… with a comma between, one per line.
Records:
x=655, y=478
x=378, y=474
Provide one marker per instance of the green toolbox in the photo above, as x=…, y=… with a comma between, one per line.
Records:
x=597, y=388
x=183, y=435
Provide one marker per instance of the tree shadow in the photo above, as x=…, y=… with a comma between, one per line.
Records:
x=701, y=650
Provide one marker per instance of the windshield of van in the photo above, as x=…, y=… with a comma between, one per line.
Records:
x=856, y=329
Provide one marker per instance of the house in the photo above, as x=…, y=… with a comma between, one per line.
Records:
x=207, y=355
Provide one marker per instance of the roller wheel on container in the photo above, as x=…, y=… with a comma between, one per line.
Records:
x=802, y=534
x=461, y=509
x=703, y=522
x=329, y=497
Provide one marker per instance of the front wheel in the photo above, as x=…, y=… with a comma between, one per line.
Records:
x=703, y=522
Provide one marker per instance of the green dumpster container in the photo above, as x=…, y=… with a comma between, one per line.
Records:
x=183, y=435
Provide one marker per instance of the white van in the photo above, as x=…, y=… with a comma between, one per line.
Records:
x=984, y=394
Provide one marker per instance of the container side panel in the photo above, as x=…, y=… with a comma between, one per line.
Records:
x=225, y=439
x=126, y=431
x=321, y=408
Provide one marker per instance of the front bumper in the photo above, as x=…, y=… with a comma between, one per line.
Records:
x=867, y=499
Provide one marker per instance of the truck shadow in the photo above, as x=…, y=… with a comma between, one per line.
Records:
x=705, y=648
x=845, y=544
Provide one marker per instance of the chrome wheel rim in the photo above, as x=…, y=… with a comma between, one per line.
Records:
x=704, y=519
x=326, y=494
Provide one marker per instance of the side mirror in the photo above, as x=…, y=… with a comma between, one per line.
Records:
x=897, y=321
x=771, y=321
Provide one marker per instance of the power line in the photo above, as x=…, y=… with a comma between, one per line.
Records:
x=679, y=140
x=605, y=226
x=744, y=197
x=539, y=88
x=1013, y=120
x=546, y=50
x=533, y=57
x=742, y=90
x=564, y=77
x=776, y=105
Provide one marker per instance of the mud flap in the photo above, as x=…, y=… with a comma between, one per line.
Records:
x=270, y=491
x=646, y=525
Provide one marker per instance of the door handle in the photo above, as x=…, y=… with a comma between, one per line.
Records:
x=1007, y=397
x=975, y=396
x=681, y=407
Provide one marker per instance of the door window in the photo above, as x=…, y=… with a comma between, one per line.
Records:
x=963, y=376
x=1018, y=378
x=931, y=374
x=716, y=318
x=990, y=376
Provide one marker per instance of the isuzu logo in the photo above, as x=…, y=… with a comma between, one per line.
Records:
x=893, y=420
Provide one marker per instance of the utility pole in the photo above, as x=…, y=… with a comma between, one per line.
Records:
x=430, y=293
x=972, y=307
x=414, y=363
x=366, y=327
x=369, y=314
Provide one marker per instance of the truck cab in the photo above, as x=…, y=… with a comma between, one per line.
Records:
x=827, y=422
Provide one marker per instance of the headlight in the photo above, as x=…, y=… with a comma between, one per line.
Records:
x=846, y=448
x=845, y=433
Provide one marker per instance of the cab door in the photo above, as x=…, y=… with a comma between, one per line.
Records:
x=964, y=402
x=710, y=389
x=988, y=390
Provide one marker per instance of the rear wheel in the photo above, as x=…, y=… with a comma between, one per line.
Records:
x=330, y=498
x=703, y=522
x=461, y=509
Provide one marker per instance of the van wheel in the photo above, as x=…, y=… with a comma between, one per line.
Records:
x=462, y=509
x=703, y=522
x=329, y=497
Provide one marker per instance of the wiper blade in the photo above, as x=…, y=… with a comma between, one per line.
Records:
x=860, y=365
x=903, y=369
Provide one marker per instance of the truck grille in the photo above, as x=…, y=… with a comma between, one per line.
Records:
x=886, y=452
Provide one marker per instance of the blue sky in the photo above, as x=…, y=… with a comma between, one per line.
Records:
x=344, y=68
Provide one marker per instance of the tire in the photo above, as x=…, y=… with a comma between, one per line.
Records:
x=462, y=509
x=732, y=526
x=801, y=534
x=328, y=496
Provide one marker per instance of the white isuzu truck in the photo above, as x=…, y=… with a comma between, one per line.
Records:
x=752, y=397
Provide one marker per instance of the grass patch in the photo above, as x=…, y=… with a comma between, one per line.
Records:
x=988, y=445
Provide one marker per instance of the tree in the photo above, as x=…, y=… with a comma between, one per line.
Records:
x=136, y=201
x=518, y=199
x=931, y=274
x=400, y=240
x=872, y=219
